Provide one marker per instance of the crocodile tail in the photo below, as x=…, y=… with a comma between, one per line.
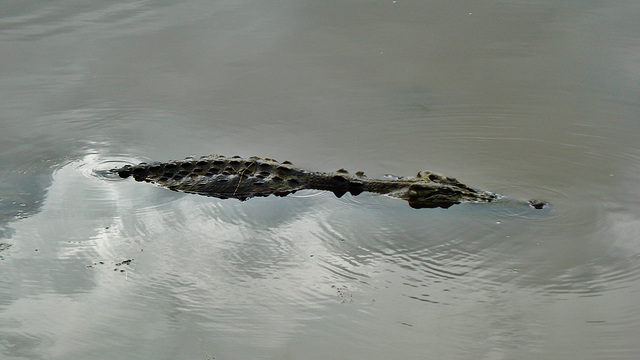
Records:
x=124, y=172
x=139, y=172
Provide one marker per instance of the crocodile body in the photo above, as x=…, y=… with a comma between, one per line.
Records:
x=243, y=178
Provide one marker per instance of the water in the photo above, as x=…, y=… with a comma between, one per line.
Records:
x=526, y=98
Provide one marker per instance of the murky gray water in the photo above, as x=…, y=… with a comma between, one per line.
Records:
x=533, y=99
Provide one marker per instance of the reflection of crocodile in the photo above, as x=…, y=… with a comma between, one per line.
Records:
x=243, y=178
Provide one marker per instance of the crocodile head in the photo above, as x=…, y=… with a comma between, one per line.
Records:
x=430, y=195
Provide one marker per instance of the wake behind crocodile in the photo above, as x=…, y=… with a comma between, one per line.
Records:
x=243, y=178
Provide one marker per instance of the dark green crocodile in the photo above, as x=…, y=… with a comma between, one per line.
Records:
x=243, y=178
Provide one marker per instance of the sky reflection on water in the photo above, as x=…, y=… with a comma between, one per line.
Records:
x=528, y=99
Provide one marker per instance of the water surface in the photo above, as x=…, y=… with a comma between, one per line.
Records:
x=529, y=99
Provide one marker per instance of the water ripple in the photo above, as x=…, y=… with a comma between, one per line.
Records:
x=358, y=238
x=48, y=20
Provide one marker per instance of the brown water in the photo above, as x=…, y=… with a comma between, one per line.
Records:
x=533, y=99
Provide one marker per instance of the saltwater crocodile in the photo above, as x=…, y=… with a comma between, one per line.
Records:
x=243, y=178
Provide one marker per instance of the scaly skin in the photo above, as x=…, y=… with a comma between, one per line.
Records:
x=243, y=178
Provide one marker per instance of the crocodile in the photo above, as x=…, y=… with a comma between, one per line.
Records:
x=243, y=178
